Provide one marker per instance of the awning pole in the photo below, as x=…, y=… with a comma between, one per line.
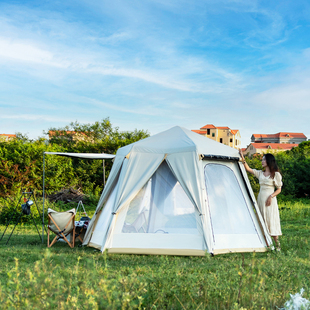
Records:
x=43, y=196
x=103, y=173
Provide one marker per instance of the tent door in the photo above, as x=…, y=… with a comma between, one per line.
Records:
x=234, y=224
x=160, y=219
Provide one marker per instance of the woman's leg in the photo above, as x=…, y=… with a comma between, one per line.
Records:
x=276, y=240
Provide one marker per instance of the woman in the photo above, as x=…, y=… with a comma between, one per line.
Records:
x=269, y=179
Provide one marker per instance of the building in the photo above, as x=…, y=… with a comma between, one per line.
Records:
x=6, y=137
x=225, y=135
x=262, y=148
x=281, y=137
x=69, y=135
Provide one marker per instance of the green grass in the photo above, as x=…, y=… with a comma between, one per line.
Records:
x=32, y=276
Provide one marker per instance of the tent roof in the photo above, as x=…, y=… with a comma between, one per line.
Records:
x=178, y=140
x=83, y=155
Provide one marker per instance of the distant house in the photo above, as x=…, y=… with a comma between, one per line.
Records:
x=262, y=148
x=6, y=137
x=281, y=137
x=68, y=135
x=225, y=135
x=243, y=150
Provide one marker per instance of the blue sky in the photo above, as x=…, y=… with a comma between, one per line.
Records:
x=154, y=64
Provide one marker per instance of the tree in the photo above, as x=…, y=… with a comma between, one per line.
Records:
x=99, y=137
x=95, y=133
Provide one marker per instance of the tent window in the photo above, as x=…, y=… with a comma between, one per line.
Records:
x=138, y=212
x=228, y=208
x=161, y=207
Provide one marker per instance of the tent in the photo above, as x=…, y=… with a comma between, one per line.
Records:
x=177, y=193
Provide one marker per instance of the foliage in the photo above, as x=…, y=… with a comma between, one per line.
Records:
x=100, y=135
x=21, y=159
x=21, y=165
x=81, y=278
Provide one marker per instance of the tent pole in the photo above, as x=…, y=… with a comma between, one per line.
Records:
x=103, y=173
x=43, y=196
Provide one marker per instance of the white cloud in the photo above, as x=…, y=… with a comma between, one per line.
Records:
x=286, y=97
x=180, y=105
x=35, y=117
x=138, y=110
x=178, y=78
x=23, y=51
x=27, y=52
x=161, y=62
x=113, y=39
x=156, y=63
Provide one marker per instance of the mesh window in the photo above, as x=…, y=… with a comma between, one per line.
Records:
x=228, y=208
x=161, y=206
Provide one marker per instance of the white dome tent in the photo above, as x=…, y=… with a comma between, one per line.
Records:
x=177, y=193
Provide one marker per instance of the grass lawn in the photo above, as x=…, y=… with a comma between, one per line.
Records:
x=34, y=277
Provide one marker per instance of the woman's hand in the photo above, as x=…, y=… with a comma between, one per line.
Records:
x=247, y=168
x=241, y=155
x=268, y=201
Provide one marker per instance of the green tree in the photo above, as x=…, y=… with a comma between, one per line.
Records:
x=99, y=137
x=84, y=135
x=21, y=159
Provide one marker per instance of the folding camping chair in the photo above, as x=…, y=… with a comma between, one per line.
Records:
x=62, y=224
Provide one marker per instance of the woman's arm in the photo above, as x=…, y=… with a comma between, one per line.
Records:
x=274, y=194
x=246, y=166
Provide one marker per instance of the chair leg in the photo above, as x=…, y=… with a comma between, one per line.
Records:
x=79, y=234
x=65, y=238
x=54, y=241
x=49, y=244
x=73, y=235
x=48, y=233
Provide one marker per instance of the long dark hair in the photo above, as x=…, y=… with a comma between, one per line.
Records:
x=272, y=164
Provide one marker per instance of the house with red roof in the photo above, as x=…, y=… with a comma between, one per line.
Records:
x=280, y=137
x=262, y=148
x=69, y=135
x=6, y=137
x=222, y=134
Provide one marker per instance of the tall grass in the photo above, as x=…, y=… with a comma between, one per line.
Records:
x=32, y=276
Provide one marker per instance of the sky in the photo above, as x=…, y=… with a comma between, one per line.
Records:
x=154, y=64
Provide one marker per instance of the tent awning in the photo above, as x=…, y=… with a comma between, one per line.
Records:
x=83, y=155
x=102, y=156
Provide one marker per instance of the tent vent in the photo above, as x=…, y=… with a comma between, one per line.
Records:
x=219, y=157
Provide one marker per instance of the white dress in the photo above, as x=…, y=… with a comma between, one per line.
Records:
x=270, y=214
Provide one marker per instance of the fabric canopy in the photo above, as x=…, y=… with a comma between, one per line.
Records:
x=101, y=156
x=83, y=155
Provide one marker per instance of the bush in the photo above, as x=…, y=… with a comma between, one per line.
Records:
x=294, y=166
